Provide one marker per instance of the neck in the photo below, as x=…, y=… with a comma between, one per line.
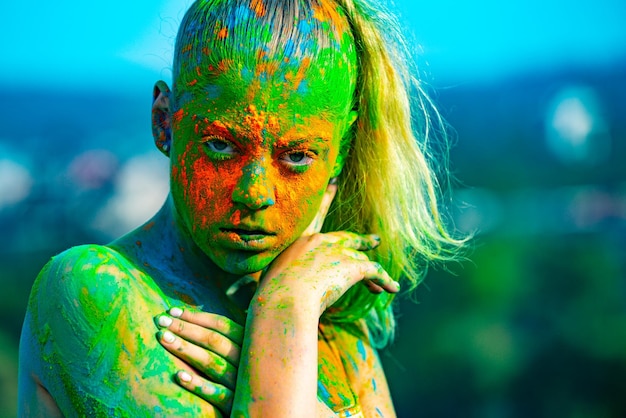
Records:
x=179, y=253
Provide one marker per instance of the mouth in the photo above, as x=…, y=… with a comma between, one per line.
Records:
x=248, y=238
x=247, y=232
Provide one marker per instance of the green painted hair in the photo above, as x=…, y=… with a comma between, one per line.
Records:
x=388, y=185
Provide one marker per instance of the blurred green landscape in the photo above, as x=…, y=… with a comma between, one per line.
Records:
x=532, y=324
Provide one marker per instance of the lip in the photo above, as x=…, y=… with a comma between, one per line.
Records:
x=246, y=230
x=246, y=237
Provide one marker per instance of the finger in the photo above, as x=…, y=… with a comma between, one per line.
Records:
x=216, y=368
x=354, y=254
x=217, y=395
x=376, y=275
x=316, y=225
x=203, y=337
x=372, y=287
x=219, y=323
x=355, y=241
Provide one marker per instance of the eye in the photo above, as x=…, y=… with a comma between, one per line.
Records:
x=298, y=160
x=219, y=147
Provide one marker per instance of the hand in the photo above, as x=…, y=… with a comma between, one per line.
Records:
x=220, y=336
x=357, y=266
x=211, y=345
x=326, y=265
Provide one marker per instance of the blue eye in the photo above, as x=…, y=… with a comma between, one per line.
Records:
x=219, y=148
x=296, y=157
x=298, y=160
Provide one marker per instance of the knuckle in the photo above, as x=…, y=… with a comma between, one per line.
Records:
x=178, y=345
x=206, y=389
x=212, y=339
x=190, y=316
x=216, y=364
x=222, y=323
x=179, y=326
x=315, y=239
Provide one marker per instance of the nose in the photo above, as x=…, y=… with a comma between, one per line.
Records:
x=254, y=189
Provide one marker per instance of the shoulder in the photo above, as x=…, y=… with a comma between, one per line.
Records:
x=89, y=337
x=85, y=279
x=83, y=263
x=81, y=293
x=76, y=301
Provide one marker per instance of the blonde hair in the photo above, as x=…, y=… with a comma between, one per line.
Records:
x=387, y=186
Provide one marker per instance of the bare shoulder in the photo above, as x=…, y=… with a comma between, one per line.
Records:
x=364, y=370
x=89, y=339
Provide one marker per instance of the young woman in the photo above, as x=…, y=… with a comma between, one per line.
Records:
x=299, y=192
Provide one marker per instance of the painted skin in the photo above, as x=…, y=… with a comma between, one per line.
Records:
x=272, y=156
x=88, y=346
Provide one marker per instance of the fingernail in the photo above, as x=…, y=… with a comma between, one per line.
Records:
x=184, y=376
x=168, y=337
x=376, y=242
x=165, y=321
x=176, y=312
x=396, y=284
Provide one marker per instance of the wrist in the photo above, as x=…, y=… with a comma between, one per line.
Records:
x=294, y=299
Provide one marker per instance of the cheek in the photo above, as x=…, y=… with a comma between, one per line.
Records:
x=300, y=200
x=203, y=190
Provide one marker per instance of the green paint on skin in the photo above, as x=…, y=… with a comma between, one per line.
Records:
x=333, y=383
x=258, y=49
x=95, y=336
x=98, y=350
x=234, y=148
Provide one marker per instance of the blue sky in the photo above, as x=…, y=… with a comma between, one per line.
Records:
x=69, y=42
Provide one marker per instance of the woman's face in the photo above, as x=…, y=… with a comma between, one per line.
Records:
x=251, y=158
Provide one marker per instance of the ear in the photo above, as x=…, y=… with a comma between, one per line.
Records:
x=161, y=117
x=344, y=148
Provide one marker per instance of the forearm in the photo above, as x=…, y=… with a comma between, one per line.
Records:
x=278, y=369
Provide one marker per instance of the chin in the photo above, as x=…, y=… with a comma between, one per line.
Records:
x=245, y=262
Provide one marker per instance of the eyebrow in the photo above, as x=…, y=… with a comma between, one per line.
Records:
x=292, y=143
x=216, y=127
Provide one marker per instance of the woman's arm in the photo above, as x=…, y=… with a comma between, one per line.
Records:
x=271, y=353
x=278, y=367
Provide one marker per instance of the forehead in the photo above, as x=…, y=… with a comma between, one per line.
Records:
x=295, y=91
x=275, y=48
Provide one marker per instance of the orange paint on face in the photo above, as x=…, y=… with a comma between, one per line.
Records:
x=204, y=189
x=217, y=128
x=268, y=68
x=299, y=76
x=257, y=155
x=273, y=124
